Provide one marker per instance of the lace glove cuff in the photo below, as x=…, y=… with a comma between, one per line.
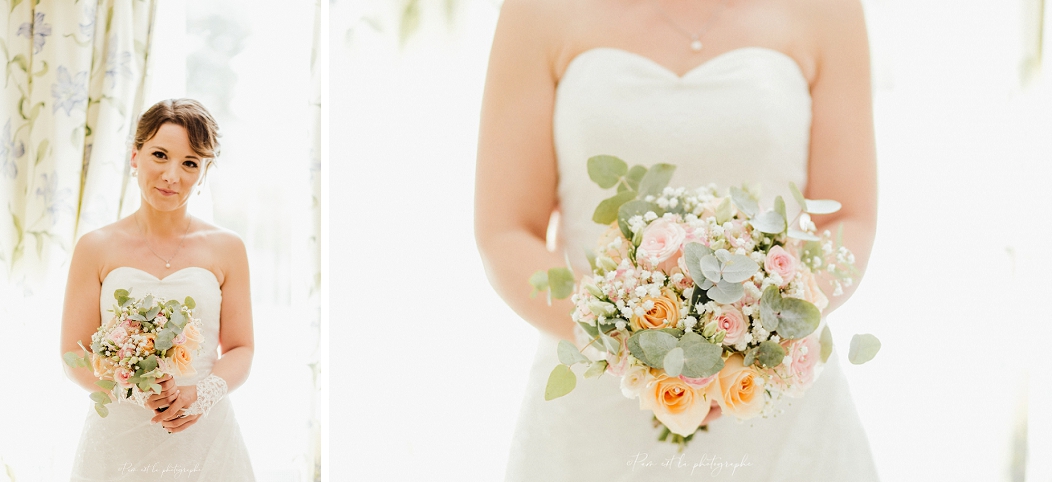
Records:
x=209, y=392
x=138, y=397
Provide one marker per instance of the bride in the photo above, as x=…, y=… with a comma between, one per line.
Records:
x=731, y=92
x=188, y=431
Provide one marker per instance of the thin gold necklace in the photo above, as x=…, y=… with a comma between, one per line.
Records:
x=167, y=262
x=695, y=38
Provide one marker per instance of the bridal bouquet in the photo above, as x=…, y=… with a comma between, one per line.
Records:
x=145, y=339
x=696, y=297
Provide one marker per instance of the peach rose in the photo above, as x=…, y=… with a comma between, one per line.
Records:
x=103, y=366
x=676, y=404
x=617, y=252
x=733, y=322
x=664, y=314
x=182, y=361
x=781, y=262
x=121, y=376
x=739, y=389
x=193, y=337
x=149, y=345
x=662, y=244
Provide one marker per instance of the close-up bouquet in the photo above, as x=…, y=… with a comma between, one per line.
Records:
x=697, y=297
x=146, y=339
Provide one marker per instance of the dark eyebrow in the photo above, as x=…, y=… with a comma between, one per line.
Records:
x=159, y=148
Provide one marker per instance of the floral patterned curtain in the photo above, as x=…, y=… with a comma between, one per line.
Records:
x=73, y=78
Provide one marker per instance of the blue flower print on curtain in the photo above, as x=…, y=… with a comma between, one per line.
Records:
x=69, y=91
x=38, y=31
x=56, y=201
x=116, y=64
x=9, y=151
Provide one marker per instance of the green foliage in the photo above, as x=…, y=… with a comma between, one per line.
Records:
x=607, y=210
x=769, y=222
x=560, y=281
x=656, y=179
x=569, y=355
x=826, y=340
x=700, y=358
x=792, y=318
x=561, y=381
x=100, y=397
x=606, y=171
x=673, y=362
x=863, y=348
x=770, y=354
x=744, y=201
x=635, y=176
x=106, y=384
x=596, y=369
x=724, y=212
x=635, y=208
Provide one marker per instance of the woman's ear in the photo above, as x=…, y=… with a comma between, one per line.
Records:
x=134, y=161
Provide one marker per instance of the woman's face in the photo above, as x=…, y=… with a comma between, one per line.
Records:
x=168, y=168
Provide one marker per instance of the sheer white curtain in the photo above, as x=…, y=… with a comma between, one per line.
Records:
x=952, y=289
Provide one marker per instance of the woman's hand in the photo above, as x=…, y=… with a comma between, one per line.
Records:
x=169, y=393
x=171, y=419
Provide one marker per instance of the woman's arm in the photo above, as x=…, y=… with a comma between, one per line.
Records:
x=80, y=309
x=843, y=162
x=515, y=174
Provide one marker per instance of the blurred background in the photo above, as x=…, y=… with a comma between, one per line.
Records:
x=255, y=69
x=963, y=117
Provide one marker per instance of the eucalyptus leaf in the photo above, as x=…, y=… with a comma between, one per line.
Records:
x=797, y=318
x=177, y=318
x=673, y=362
x=148, y=364
x=692, y=255
x=569, y=355
x=697, y=295
x=106, y=384
x=147, y=301
x=539, y=282
x=561, y=381
x=164, y=340
x=798, y=196
x=634, y=176
x=590, y=255
x=779, y=207
x=606, y=171
x=656, y=179
x=700, y=358
x=726, y=292
x=560, y=281
x=724, y=212
x=744, y=201
x=770, y=306
x=611, y=344
x=676, y=332
x=826, y=340
x=769, y=222
x=102, y=410
x=590, y=329
x=72, y=359
x=863, y=348
x=100, y=397
x=770, y=354
x=596, y=370
x=690, y=338
x=750, y=356
x=710, y=268
x=804, y=235
x=739, y=268
x=656, y=344
x=117, y=295
x=606, y=211
x=153, y=312
x=822, y=206
x=635, y=208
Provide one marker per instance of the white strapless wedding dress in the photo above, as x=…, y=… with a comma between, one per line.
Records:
x=744, y=116
x=125, y=446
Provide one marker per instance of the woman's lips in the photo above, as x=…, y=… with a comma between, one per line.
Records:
x=166, y=192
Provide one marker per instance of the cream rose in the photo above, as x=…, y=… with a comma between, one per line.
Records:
x=733, y=322
x=181, y=360
x=676, y=404
x=635, y=380
x=813, y=293
x=662, y=240
x=193, y=337
x=782, y=263
x=664, y=314
x=739, y=389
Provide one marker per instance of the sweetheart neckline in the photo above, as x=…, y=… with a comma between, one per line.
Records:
x=698, y=68
x=147, y=273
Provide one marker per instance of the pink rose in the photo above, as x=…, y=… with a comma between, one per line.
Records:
x=733, y=322
x=781, y=262
x=179, y=339
x=805, y=354
x=126, y=352
x=129, y=324
x=616, y=365
x=699, y=382
x=160, y=320
x=118, y=335
x=662, y=239
x=121, y=376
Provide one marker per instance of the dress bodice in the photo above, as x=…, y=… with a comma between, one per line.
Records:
x=741, y=117
x=198, y=283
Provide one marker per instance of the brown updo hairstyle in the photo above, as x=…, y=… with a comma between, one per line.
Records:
x=201, y=127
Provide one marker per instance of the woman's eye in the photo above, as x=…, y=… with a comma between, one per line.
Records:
x=191, y=164
x=159, y=155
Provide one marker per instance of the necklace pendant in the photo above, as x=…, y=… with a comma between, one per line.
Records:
x=167, y=265
x=695, y=45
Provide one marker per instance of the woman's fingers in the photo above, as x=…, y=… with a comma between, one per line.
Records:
x=180, y=424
